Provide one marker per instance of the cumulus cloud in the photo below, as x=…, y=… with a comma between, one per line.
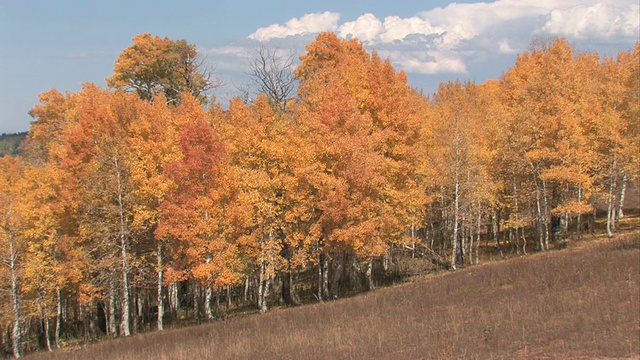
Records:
x=367, y=27
x=308, y=23
x=599, y=20
x=427, y=63
x=459, y=37
x=505, y=48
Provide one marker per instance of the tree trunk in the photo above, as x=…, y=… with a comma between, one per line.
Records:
x=207, y=303
x=85, y=323
x=45, y=324
x=540, y=218
x=610, y=212
x=579, y=217
x=478, y=230
x=174, y=300
x=262, y=299
x=623, y=188
x=112, y=329
x=263, y=293
x=545, y=215
x=454, y=237
x=495, y=230
x=369, y=275
x=516, y=210
x=337, y=275
x=325, y=277
x=196, y=301
x=285, y=289
x=47, y=337
x=159, y=290
x=15, y=298
x=208, y=292
x=58, y=316
x=247, y=282
x=295, y=297
x=125, y=328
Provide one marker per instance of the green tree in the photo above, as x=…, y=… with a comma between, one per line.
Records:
x=154, y=65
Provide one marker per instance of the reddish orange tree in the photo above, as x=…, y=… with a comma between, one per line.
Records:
x=199, y=211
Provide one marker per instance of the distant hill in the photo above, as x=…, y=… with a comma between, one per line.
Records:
x=10, y=143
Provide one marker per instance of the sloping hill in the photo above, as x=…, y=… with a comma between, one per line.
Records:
x=10, y=143
x=579, y=303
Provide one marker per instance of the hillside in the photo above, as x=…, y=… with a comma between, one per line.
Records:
x=9, y=143
x=578, y=303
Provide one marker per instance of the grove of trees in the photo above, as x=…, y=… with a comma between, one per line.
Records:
x=142, y=204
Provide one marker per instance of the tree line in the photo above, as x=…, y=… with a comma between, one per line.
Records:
x=145, y=202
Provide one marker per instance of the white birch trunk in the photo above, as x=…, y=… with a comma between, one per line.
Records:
x=58, y=316
x=15, y=299
x=539, y=213
x=112, y=308
x=545, y=209
x=159, y=294
x=369, y=275
x=456, y=203
x=623, y=188
x=320, y=278
x=454, y=237
x=515, y=210
x=610, y=213
x=325, y=277
x=208, y=296
x=579, y=217
x=125, y=328
x=174, y=301
x=478, y=230
x=246, y=289
x=207, y=303
x=47, y=337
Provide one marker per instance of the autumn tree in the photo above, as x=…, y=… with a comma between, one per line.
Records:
x=199, y=211
x=153, y=145
x=613, y=130
x=348, y=106
x=547, y=95
x=154, y=65
x=457, y=133
x=97, y=167
x=13, y=243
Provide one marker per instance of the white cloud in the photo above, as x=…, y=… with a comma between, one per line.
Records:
x=604, y=19
x=227, y=50
x=308, y=23
x=397, y=28
x=367, y=27
x=505, y=47
x=435, y=62
x=460, y=37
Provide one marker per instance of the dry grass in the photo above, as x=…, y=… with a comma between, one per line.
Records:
x=579, y=303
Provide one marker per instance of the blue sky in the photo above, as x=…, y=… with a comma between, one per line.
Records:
x=61, y=44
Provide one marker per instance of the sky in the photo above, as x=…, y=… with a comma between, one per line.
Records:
x=62, y=44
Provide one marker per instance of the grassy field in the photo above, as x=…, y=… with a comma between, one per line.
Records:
x=578, y=303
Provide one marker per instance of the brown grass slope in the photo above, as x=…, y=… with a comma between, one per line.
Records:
x=579, y=303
